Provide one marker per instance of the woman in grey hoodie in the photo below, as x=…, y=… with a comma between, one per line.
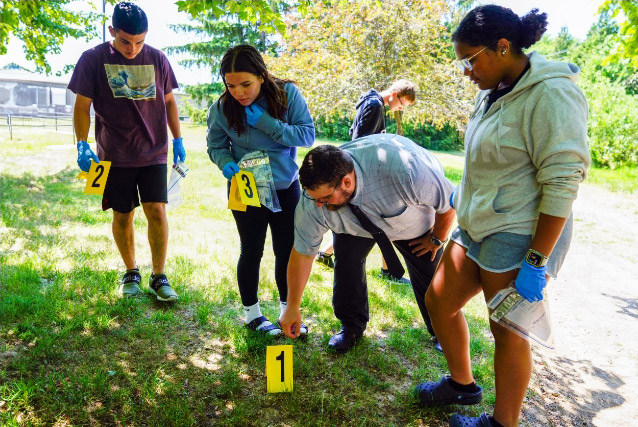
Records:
x=525, y=156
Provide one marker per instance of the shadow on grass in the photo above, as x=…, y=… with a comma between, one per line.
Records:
x=29, y=202
x=77, y=353
x=83, y=352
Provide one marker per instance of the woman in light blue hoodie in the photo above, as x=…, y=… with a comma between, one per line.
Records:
x=525, y=156
x=260, y=113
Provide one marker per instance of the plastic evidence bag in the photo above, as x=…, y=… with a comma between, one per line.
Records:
x=174, y=195
x=258, y=163
x=529, y=320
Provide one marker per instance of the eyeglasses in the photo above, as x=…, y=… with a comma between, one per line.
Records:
x=466, y=63
x=401, y=103
x=322, y=200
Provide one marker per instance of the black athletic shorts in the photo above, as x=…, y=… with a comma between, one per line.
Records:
x=122, y=185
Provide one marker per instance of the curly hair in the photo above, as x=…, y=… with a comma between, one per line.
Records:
x=245, y=58
x=325, y=164
x=486, y=25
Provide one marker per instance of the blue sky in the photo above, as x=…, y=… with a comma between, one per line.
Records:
x=576, y=15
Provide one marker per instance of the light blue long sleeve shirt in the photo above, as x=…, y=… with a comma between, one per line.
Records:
x=276, y=138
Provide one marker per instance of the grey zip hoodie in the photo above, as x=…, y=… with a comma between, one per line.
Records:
x=526, y=155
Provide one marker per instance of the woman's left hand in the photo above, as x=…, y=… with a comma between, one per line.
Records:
x=253, y=114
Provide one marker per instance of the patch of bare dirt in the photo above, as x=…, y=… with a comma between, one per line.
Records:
x=590, y=378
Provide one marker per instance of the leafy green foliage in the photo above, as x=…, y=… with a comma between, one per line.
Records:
x=43, y=26
x=610, y=88
x=217, y=35
x=628, y=47
x=201, y=95
x=339, y=50
x=426, y=135
x=267, y=15
x=613, y=123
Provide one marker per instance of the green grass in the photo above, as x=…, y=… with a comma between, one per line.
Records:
x=623, y=179
x=73, y=352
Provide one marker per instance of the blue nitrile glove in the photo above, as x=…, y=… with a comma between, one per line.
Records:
x=229, y=170
x=85, y=155
x=253, y=114
x=531, y=281
x=452, y=200
x=179, y=154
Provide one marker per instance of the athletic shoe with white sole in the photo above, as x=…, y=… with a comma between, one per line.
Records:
x=130, y=285
x=159, y=286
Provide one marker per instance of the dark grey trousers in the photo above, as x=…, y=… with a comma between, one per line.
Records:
x=350, y=287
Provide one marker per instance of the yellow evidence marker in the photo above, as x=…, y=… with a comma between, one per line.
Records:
x=234, y=201
x=96, y=177
x=279, y=368
x=247, y=188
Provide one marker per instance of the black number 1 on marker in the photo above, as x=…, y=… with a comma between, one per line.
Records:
x=281, y=357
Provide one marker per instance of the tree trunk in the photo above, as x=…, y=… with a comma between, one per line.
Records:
x=398, y=116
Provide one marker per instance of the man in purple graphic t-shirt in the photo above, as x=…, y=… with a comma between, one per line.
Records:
x=130, y=86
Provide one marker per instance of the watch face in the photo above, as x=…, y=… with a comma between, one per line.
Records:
x=534, y=258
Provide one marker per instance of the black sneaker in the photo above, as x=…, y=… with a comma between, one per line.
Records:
x=130, y=285
x=159, y=286
x=385, y=274
x=325, y=259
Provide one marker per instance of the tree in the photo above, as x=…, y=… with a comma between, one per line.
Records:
x=613, y=118
x=628, y=46
x=266, y=14
x=338, y=50
x=43, y=26
x=215, y=35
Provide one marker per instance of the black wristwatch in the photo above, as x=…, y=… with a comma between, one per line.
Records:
x=535, y=258
x=437, y=242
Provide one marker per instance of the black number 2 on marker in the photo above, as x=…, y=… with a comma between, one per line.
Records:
x=100, y=170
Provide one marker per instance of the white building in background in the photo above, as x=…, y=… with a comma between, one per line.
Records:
x=26, y=93
x=23, y=93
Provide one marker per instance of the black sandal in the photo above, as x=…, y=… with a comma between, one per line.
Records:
x=262, y=324
x=442, y=393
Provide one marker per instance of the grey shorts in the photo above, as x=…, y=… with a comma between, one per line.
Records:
x=501, y=252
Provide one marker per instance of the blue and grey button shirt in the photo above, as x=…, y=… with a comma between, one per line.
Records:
x=400, y=186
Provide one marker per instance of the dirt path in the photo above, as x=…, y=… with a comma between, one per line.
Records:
x=591, y=378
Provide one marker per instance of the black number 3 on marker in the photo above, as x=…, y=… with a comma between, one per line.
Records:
x=248, y=191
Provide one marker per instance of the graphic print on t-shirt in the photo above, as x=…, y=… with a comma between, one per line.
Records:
x=131, y=81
